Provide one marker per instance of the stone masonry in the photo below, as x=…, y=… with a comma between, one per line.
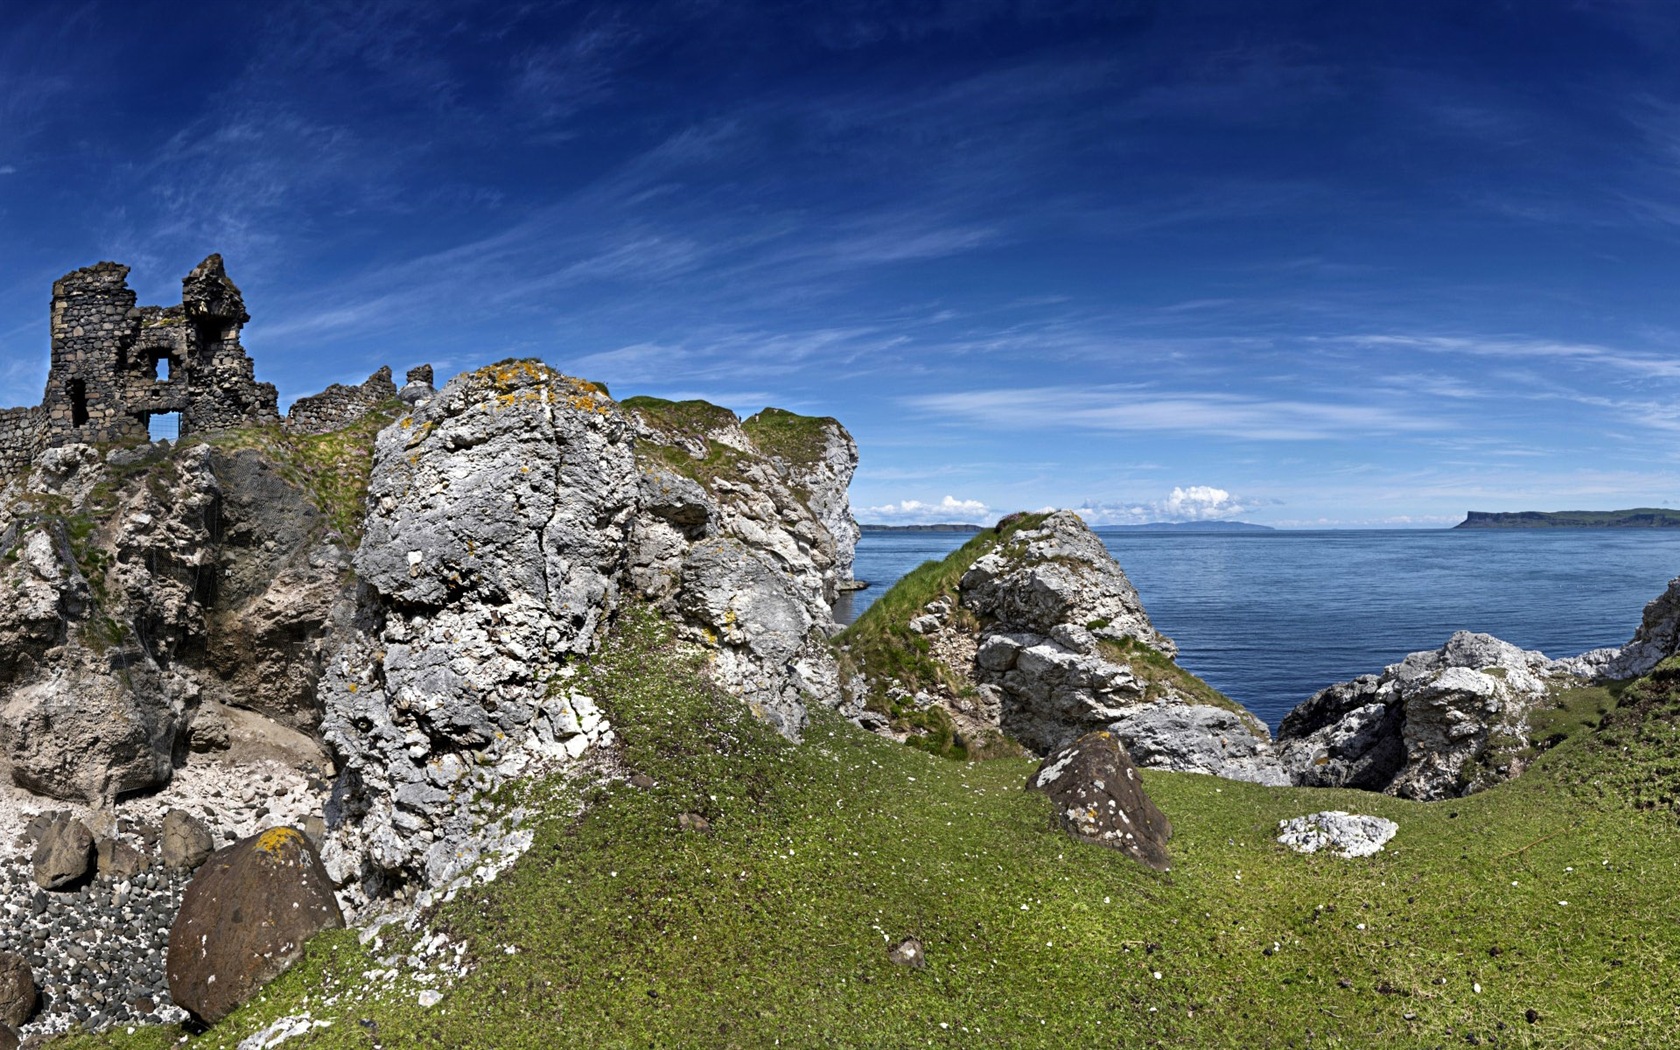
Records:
x=338, y=405
x=116, y=364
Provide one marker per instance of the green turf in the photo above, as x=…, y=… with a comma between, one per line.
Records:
x=1552, y=893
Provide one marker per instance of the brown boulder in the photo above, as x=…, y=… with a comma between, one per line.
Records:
x=17, y=990
x=1100, y=798
x=118, y=859
x=186, y=841
x=244, y=919
x=8, y=1038
x=63, y=854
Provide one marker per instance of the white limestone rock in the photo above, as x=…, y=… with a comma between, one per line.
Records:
x=1435, y=725
x=1348, y=835
x=1058, y=617
x=1056, y=574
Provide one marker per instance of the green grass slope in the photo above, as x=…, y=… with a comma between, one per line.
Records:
x=1538, y=913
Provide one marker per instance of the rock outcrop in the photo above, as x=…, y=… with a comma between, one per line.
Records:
x=1435, y=725
x=154, y=583
x=244, y=919
x=742, y=537
x=508, y=518
x=1349, y=835
x=1099, y=798
x=407, y=650
x=1656, y=639
x=497, y=529
x=1044, y=639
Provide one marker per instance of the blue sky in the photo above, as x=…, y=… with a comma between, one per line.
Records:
x=1296, y=263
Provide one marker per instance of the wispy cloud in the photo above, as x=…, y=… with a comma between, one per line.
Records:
x=1633, y=362
x=1141, y=409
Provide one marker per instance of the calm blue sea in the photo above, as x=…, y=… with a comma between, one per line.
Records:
x=1269, y=618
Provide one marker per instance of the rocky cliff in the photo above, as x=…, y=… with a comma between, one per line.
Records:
x=404, y=653
x=1032, y=633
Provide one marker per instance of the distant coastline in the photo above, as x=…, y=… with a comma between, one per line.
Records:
x=943, y=527
x=1188, y=526
x=1154, y=526
x=1637, y=518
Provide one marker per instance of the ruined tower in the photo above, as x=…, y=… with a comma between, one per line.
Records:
x=115, y=364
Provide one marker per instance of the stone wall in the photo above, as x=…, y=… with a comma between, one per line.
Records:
x=338, y=405
x=20, y=438
x=116, y=364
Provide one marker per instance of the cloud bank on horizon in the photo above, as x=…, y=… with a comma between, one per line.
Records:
x=1359, y=265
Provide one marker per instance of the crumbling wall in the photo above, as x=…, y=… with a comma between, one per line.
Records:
x=338, y=405
x=116, y=364
x=95, y=325
x=20, y=438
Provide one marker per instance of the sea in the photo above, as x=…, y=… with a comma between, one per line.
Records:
x=1269, y=618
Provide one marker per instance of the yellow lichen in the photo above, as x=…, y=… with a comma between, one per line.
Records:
x=274, y=840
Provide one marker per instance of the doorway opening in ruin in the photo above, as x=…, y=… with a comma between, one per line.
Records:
x=77, y=391
x=163, y=426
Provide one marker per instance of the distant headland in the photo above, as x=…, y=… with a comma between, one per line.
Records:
x=1153, y=526
x=1188, y=526
x=1637, y=518
x=942, y=527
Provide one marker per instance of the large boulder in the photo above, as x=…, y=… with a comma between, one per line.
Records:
x=63, y=853
x=18, y=997
x=1349, y=835
x=1099, y=798
x=185, y=842
x=1435, y=725
x=244, y=919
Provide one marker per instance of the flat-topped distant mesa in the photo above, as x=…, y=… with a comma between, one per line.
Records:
x=1637, y=518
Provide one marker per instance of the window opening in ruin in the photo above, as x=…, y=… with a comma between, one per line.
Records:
x=163, y=368
x=163, y=426
x=77, y=390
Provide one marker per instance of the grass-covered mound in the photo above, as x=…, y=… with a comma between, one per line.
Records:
x=893, y=661
x=1539, y=913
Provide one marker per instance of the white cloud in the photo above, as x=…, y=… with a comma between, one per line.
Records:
x=1199, y=502
x=1184, y=503
x=915, y=512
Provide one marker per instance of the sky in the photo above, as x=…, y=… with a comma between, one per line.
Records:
x=1302, y=264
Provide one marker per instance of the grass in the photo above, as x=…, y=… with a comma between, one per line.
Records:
x=797, y=440
x=332, y=469
x=882, y=645
x=1550, y=894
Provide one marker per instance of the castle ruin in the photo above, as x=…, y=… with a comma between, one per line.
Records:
x=116, y=364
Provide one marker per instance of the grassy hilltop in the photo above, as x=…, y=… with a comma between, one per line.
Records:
x=1539, y=913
